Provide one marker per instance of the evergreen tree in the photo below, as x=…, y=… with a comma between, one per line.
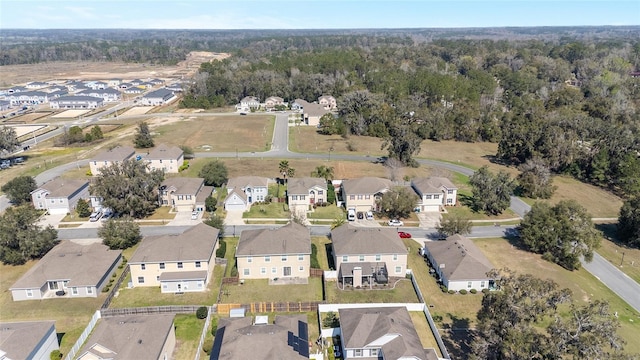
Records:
x=143, y=137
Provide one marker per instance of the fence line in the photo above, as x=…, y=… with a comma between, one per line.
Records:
x=316, y=272
x=262, y=307
x=432, y=323
x=207, y=322
x=115, y=287
x=85, y=334
x=170, y=309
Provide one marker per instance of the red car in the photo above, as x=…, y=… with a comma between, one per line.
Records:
x=404, y=235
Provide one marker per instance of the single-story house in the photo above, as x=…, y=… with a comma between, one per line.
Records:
x=364, y=256
x=131, y=337
x=165, y=158
x=274, y=253
x=435, y=193
x=60, y=196
x=29, y=340
x=362, y=194
x=69, y=269
x=303, y=193
x=114, y=82
x=380, y=333
x=184, y=194
x=243, y=191
x=328, y=102
x=131, y=90
x=4, y=105
x=96, y=85
x=158, y=97
x=459, y=263
x=243, y=338
x=177, y=263
x=36, y=85
x=109, y=157
x=76, y=102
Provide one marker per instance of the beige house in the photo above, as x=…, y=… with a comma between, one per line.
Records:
x=60, y=196
x=312, y=113
x=366, y=256
x=283, y=252
x=304, y=193
x=109, y=157
x=176, y=263
x=165, y=158
x=328, y=102
x=31, y=340
x=435, y=193
x=150, y=337
x=184, y=194
x=362, y=194
x=273, y=101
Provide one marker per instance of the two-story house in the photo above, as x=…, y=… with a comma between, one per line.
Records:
x=176, y=263
x=158, y=97
x=107, y=94
x=109, y=157
x=165, y=158
x=303, y=193
x=184, y=194
x=60, y=196
x=273, y=101
x=328, y=102
x=283, y=252
x=366, y=256
x=247, y=103
x=435, y=193
x=243, y=191
x=363, y=194
x=82, y=102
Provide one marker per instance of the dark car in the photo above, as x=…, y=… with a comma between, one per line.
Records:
x=404, y=235
x=360, y=215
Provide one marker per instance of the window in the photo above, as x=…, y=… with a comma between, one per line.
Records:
x=294, y=197
x=367, y=197
x=360, y=197
x=161, y=266
x=188, y=197
x=302, y=197
x=398, y=269
x=267, y=259
x=180, y=197
x=199, y=284
x=263, y=270
x=143, y=266
x=179, y=265
x=158, y=278
x=301, y=268
x=449, y=192
x=89, y=290
x=165, y=286
x=469, y=285
x=352, y=197
x=374, y=352
x=160, y=161
x=198, y=264
x=29, y=293
x=481, y=284
x=74, y=291
x=320, y=192
x=300, y=257
x=53, y=201
x=428, y=197
x=395, y=257
x=361, y=258
x=249, y=259
x=246, y=271
x=436, y=197
x=283, y=258
x=378, y=257
x=345, y=258
x=140, y=279
x=449, y=201
x=274, y=270
x=357, y=352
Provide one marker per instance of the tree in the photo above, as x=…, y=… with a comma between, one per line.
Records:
x=21, y=238
x=143, y=137
x=562, y=233
x=286, y=170
x=8, y=139
x=216, y=222
x=120, y=233
x=491, y=193
x=398, y=203
x=210, y=203
x=629, y=222
x=454, y=224
x=331, y=193
x=330, y=320
x=19, y=189
x=402, y=143
x=535, y=180
x=322, y=171
x=330, y=125
x=82, y=208
x=214, y=173
x=187, y=151
x=128, y=188
x=96, y=133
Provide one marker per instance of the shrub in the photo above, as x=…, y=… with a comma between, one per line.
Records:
x=463, y=292
x=351, y=146
x=443, y=288
x=106, y=289
x=485, y=291
x=473, y=291
x=214, y=325
x=207, y=345
x=184, y=166
x=114, y=275
x=55, y=355
x=222, y=249
x=201, y=313
x=451, y=291
x=88, y=173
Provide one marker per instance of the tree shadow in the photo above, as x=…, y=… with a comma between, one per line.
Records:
x=513, y=237
x=610, y=231
x=60, y=335
x=457, y=337
x=496, y=160
x=329, y=249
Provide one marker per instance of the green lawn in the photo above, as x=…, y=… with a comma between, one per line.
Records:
x=400, y=292
x=151, y=296
x=424, y=331
x=320, y=242
x=230, y=255
x=326, y=212
x=267, y=211
x=162, y=213
x=188, y=330
x=260, y=291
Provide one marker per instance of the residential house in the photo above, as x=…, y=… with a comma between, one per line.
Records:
x=70, y=270
x=136, y=82
x=435, y=193
x=247, y=103
x=76, y=102
x=109, y=157
x=29, y=340
x=4, y=105
x=312, y=113
x=459, y=263
x=126, y=85
x=158, y=97
x=363, y=194
x=96, y=85
x=175, y=87
x=304, y=193
x=36, y=85
x=243, y=191
x=27, y=98
x=176, y=263
x=184, y=194
x=60, y=196
x=299, y=104
x=385, y=333
x=165, y=158
x=108, y=94
x=156, y=82
x=328, y=102
x=132, y=90
x=16, y=89
x=114, y=82
x=283, y=252
x=131, y=337
x=364, y=256
x=243, y=338
x=273, y=101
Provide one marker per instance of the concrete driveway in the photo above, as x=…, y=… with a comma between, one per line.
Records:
x=52, y=220
x=429, y=219
x=234, y=218
x=184, y=218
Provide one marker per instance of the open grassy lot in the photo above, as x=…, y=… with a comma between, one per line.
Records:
x=398, y=292
x=306, y=139
x=424, y=331
x=219, y=133
x=321, y=243
x=259, y=290
x=466, y=212
x=188, y=330
x=473, y=155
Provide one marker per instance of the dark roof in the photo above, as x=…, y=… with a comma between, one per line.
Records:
x=292, y=238
x=459, y=258
x=195, y=244
x=78, y=98
x=19, y=339
x=354, y=240
x=160, y=93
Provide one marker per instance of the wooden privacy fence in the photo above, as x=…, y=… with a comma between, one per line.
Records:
x=184, y=309
x=234, y=280
x=263, y=307
x=316, y=272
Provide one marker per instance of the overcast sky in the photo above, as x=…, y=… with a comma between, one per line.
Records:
x=311, y=14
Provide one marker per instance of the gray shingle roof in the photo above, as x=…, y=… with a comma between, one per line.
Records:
x=183, y=275
x=354, y=240
x=82, y=265
x=60, y=187
x=292, y=238
x=19, y=339
x=160, y=93
x=78, y=98
x=461, y=258
x=366, y=185
x=184, y=185
x=312, y=109
x=194, y=244
x=432, y=185
x=118, y=153
x=242, y=182
x=164, y=152
x=296, y=186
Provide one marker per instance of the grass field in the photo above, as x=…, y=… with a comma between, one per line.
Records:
x=396, y=292
x=424, y=331
x=321, y=242
x=305, y=139
x=151, y=296
x=270, y=211
x=188, y=330
x=259, y=290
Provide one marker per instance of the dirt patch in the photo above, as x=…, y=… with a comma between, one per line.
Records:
x=70, y=113
x=138, y=110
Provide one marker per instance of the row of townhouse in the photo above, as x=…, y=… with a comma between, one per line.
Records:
x=248, y=103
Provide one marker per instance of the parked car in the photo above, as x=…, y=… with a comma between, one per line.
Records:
x=18, y=160
x=5, y=164
x=369, y=215
x=194, y=215
x=107, y=214
x=95, y=216
x=360, y=215
x=404, y=235
x=395, y=222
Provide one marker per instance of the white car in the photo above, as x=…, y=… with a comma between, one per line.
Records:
x=395, y=222
x=194, y=215
x=369, y=215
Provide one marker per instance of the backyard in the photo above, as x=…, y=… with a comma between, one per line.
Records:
x=259, y=290
x=188, y=329
x=400, y=291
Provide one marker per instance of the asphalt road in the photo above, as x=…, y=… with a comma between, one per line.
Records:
x=616, y=280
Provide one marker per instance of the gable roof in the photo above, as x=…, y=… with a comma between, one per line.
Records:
x=118, y=153
x=184, y=185
x=459, y=258
x=194, y=244
x=242, y=182
x=19, y=339
x=129, y=337
x=163, y=93
x=432, y=185
x=302, y=185
x=84, y=98
x=313, y=109
x=390, y=328
x=354, y=240
x=60, y=187
x=82, y=265
x=366, y=185
x=292, y=238
x=239, y=193
x=163, y=152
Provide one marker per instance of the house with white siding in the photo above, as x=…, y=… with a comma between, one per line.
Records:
x=158, y=97
x=304, y=193
x=328, y=102
x=248, y=103
x=109, y=157
x=184, y=194
x=435, y=193
x=107, y=94
x=363, y=194
x=60, y=196
x=76, y=102
x=29, y=340
x=243, y=191
x=165, y=158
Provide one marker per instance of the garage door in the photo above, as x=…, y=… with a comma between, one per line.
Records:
x=234, y=207
x=58, y=211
